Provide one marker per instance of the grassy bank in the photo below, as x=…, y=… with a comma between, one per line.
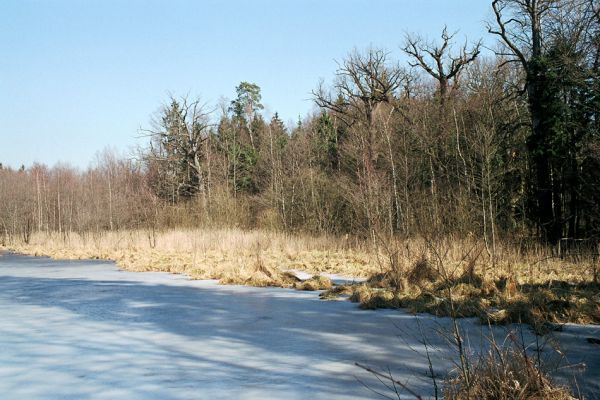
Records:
x=232, y=256
x=443, y=277
x=461, y=279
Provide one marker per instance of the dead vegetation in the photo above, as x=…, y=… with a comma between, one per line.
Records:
x=445, y=283
x=438, y=277
x=542, y=306
x=505, y=371
x=232, y=256
x=468, y=286
x=500, y=371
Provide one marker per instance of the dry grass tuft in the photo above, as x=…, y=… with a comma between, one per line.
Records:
x=315, y=283
x=382, y=299
x=505, y=372
x=361, y=293
x=422, y=271
x=336, y=292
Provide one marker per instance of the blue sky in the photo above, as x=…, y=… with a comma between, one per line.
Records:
x=78, y=76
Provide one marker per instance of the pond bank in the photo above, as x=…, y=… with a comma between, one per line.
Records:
x=84, y=329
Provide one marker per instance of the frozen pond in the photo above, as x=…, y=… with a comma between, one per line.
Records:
x=85, y=330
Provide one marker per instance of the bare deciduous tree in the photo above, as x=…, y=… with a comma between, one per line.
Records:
x=438, y=61
x=177, y=148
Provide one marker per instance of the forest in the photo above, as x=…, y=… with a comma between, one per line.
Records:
x=505, y=148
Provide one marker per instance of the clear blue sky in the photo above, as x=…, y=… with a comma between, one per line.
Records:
x=77, y=76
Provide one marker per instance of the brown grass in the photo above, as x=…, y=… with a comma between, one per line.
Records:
x=536, y=289
x=315, y=283
x=540, y=306
x=445, y=278
x=233, y=256
x=505, y=372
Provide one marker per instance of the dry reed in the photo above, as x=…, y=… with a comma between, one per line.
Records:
x=515, y=285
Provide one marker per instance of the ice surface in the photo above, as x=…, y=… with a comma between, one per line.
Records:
x=85, y=330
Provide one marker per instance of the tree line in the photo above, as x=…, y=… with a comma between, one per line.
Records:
x=504, y=146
